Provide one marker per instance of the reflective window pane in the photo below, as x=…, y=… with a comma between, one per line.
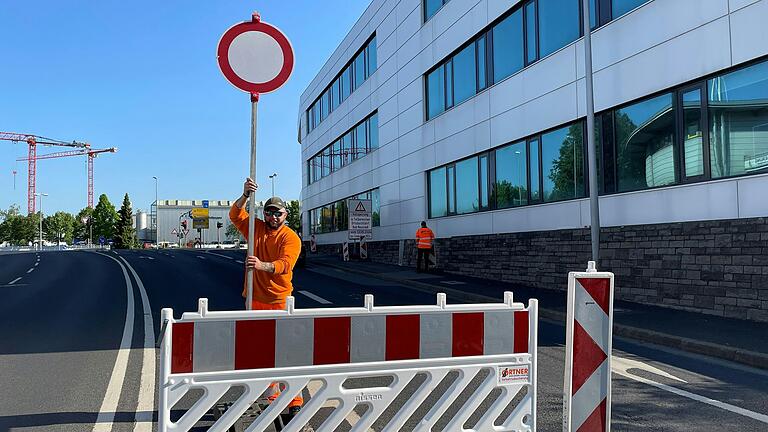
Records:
x=511, y=185
x=431, y=7
x=620, y=7
x=326, y=161
x=481, y=72
x=693, y=135
x=508, y=46
x=346, y=148
x=437, y=195
x=449, y=84
x=372, y=57
x=449, y=173
x=337, y=164
x=435, y=92
x=361, y=144
x=562, y=163
x=325, y=103
x=345, y=83
x=359, y=66
x=464, y=74
x=738, y=119
x=483, y=182
x=373, y=131
x=533, y=150
x=593, y=13
x=376, y=208
x=645, y=134
x=558, y=24
x=467, y=187
x=334, y=94
x=530, y=32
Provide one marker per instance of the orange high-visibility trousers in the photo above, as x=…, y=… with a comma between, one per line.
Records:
x=273, y=392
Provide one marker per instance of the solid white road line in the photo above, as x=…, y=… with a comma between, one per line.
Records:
x=315, y=297
x=239, y=262
x=146, y=403
x=220, y=255
x=621, y=367
x=30, y=270
x=14, y=281
x=109, y=406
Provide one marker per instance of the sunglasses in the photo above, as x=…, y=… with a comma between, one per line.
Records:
x=270, y=213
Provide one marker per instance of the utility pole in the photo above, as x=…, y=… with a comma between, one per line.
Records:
x=157, y=217
x=594, y=204
x=41, y=195
x=273, y=183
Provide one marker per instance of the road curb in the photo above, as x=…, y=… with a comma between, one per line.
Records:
x=736, y=355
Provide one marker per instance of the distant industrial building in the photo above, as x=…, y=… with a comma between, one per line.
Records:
x=471, y=116
x=167, y=217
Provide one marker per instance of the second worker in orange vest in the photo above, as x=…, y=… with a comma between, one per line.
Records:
x=424, y=238
x=276, y=248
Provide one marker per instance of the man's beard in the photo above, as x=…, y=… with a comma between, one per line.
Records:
x=270, y=226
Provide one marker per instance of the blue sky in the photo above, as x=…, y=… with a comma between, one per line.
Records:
x=142, y=76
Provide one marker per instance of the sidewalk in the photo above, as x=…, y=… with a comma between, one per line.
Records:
x=739, y=341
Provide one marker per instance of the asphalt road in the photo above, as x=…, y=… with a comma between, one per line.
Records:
x=63, y=319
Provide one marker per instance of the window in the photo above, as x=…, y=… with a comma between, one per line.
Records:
x=645, y=134
x=465, y=74
x=337, y=160
x=531, y=32
x=361, y=144
x=327, y=162
x=484, y=182
x=535, y=166
x=482, y=73
x=738, y=121
x=620, y=7
x=558, y=23
x=335, y=216
x=450, y=175
x=360, y=70
x=431, y=7
x=355, y=143
x=693, y=134
x=335, y=95
x=373, y=132
x=508, y=46
x=371, y=58
x=346, y=83
x=562, y=155
x=436, y=92
x=346, y=148
x=437, y=193
x=467, y=187
x=511, y=183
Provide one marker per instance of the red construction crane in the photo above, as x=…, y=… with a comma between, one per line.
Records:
x=33, y=141
x=91, y=153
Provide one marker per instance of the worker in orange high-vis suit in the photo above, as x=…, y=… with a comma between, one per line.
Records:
x=276, y=248
x=424, y=238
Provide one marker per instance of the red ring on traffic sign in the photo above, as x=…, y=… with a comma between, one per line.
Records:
x=257, y=26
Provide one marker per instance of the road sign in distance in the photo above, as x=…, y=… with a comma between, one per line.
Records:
x=360, y=224
x=255, y=57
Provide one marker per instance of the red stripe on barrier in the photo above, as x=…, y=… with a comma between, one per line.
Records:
x=402, y=337
x=587, y=356
x=181, y=347
x=332, y=340
x=599, y=289
x=468, y=334
x=521, y=332
x=596, y=421
x=254, y=344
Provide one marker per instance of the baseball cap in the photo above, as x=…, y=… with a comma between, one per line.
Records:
x=275, y=202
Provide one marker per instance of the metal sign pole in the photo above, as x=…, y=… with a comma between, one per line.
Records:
x=594, y=205
x=252, y=200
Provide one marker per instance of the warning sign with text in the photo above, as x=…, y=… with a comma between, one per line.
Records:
x=360, y=224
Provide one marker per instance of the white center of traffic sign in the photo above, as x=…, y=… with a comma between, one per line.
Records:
x=255, y=57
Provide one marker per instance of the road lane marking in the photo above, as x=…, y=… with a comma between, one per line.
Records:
x=146, y=401
x=37, y=263
x=30, y=270
x=315, y=297
x=201, y=257
x=14, y=281
x=239, y=262
x=220, y=255
x=108, y=408
x=621, y=366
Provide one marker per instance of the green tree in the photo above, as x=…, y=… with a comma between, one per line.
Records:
x=125, y=236
x=81, y=230
x=294, y=215
x=233, y=234
x=104, y=218
x=567, y=172
x=59, y=227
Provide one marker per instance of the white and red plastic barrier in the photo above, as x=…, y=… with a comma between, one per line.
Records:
x=587, y=387
x=215, y=351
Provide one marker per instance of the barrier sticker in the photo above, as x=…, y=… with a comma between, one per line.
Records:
x=513, y=374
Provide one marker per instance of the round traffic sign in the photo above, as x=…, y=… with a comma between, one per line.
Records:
x=255, y=56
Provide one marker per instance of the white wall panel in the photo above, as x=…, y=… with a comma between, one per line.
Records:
x=752, y=193
x=735, y=5
x=749, y=32
x=412, y=186
x=412, y=210
x=462, y=225
x=538, y=218
x=417, y=162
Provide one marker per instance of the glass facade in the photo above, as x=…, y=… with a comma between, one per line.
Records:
x=508, y=46
x=431, y=7
x=562, y=160
x=511, y=182
x=353, y=144
x=334, y=216
x=362, y=65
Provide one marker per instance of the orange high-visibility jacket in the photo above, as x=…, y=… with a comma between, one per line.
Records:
x=281, y=247
x=424, y=237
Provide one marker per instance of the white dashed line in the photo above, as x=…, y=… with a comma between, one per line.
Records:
x=200, y=257
x=220, y=255
x=36, y=264
x=30, y=270
x=14, y=281
x=315, y=297
x=239, y=262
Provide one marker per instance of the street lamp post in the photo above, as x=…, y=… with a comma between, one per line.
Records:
x=157, y=217
x=594, y=206
x=273, y=182
x=41, y=195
